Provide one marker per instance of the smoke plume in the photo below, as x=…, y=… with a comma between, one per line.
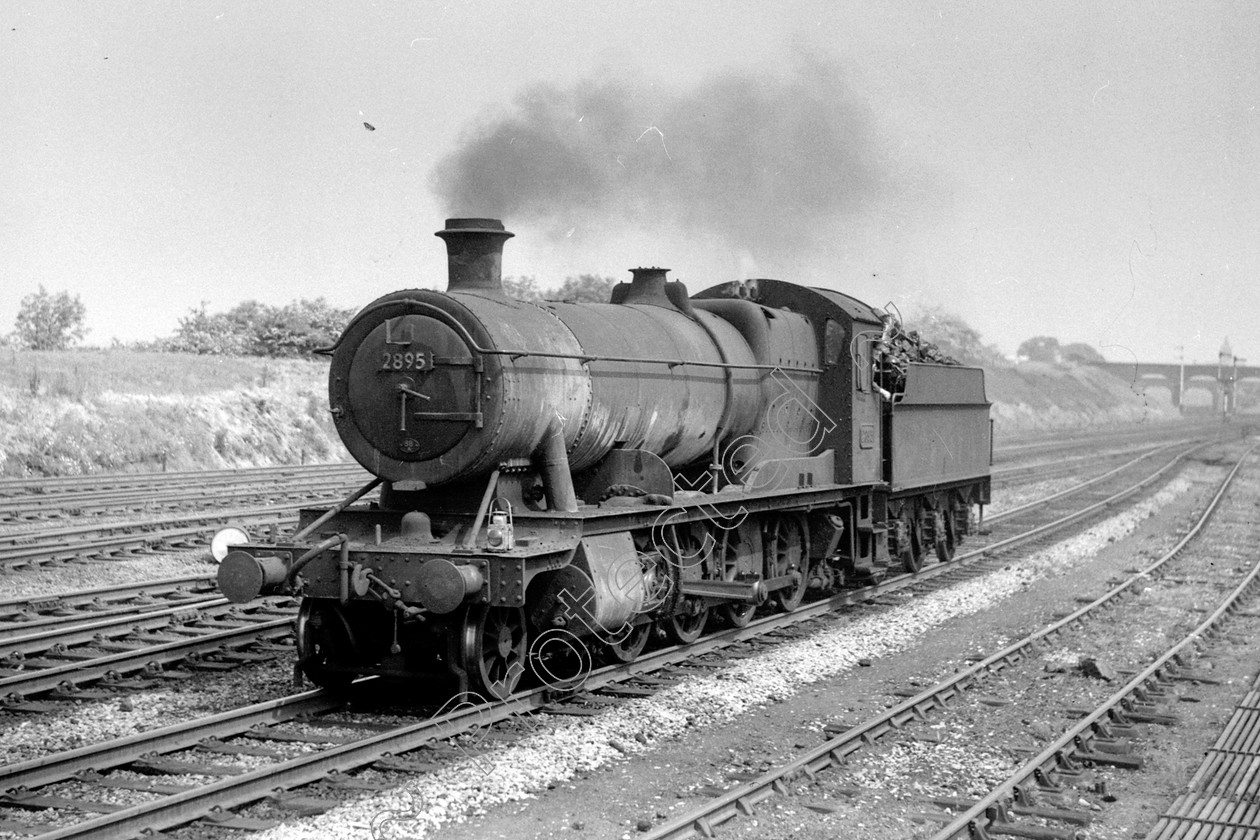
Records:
x=767, y=161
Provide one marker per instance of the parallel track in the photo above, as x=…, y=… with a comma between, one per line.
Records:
x=21, y=681
x=219, y=637
x=315, y=482
x=1074, y=440
x=84, y=485
x=185, y=806
x=77, y=542
x=27, y=614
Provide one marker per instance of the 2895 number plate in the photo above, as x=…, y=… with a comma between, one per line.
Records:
x=405, y=361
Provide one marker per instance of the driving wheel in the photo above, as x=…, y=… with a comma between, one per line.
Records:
x=786, y=549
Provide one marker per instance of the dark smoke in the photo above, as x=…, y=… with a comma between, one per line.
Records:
x=767, y=161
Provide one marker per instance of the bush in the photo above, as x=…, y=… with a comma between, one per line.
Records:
x=256, y=329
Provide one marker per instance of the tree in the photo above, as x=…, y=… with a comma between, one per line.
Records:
x=954, y=337
x=585, y=288
x=1041, y=348
x=522, y=288
x=1081, y=353
x=50, y=322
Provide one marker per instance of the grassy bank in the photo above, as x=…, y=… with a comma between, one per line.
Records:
x=1034, y=395
x=64, y=413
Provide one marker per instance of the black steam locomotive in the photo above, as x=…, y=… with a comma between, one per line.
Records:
x=612, y=471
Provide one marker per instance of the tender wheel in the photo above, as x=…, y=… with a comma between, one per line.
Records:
x=630, y=643
x=910, y=551
x=943, y=531
x=786, y=553
x=686, y=625
x=734, y=543
x=494, y=646
x=325, y=640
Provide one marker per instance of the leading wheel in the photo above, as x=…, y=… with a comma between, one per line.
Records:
x=493, y=647
x=325, y=642
x=786, y=554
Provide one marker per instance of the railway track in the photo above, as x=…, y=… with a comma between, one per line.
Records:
x=87, y=486
x=131, y=654
x=1050, y=445
x=39, y=507
x=1070, y=465
x=600, y=688
x=29, y=546
x=104, y=540
x=39, y=498
x=991, y=814
x=65, y=660
x=113, y=648
x=28, y=614
x=199, y=590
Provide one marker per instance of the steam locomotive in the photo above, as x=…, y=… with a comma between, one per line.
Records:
x=610, y=473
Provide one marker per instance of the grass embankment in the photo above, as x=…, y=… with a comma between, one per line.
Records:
x=64, y=413
x=115, y=410
x=1034, y=395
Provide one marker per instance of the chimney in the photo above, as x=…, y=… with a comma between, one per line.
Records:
x=474, y=255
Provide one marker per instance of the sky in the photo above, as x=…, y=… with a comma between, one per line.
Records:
x=1088, y=171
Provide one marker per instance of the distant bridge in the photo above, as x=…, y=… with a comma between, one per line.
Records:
x=1222, y=379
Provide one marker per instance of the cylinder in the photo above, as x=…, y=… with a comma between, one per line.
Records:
x=441, y=585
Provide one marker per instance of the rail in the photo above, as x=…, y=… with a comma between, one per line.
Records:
x=260, y=783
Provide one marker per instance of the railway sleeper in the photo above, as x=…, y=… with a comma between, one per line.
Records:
x=212, y=665
x=165, y=765
x=959, y=804
x=243, y=656
x=144, y=785
x=215, y=745
x=270, y=733
x=67, y=692
x=32, y=801
x=303, y=806
x=226, y=819
x=399, y=764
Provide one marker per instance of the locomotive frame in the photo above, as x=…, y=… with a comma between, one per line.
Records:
x=534, y=504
